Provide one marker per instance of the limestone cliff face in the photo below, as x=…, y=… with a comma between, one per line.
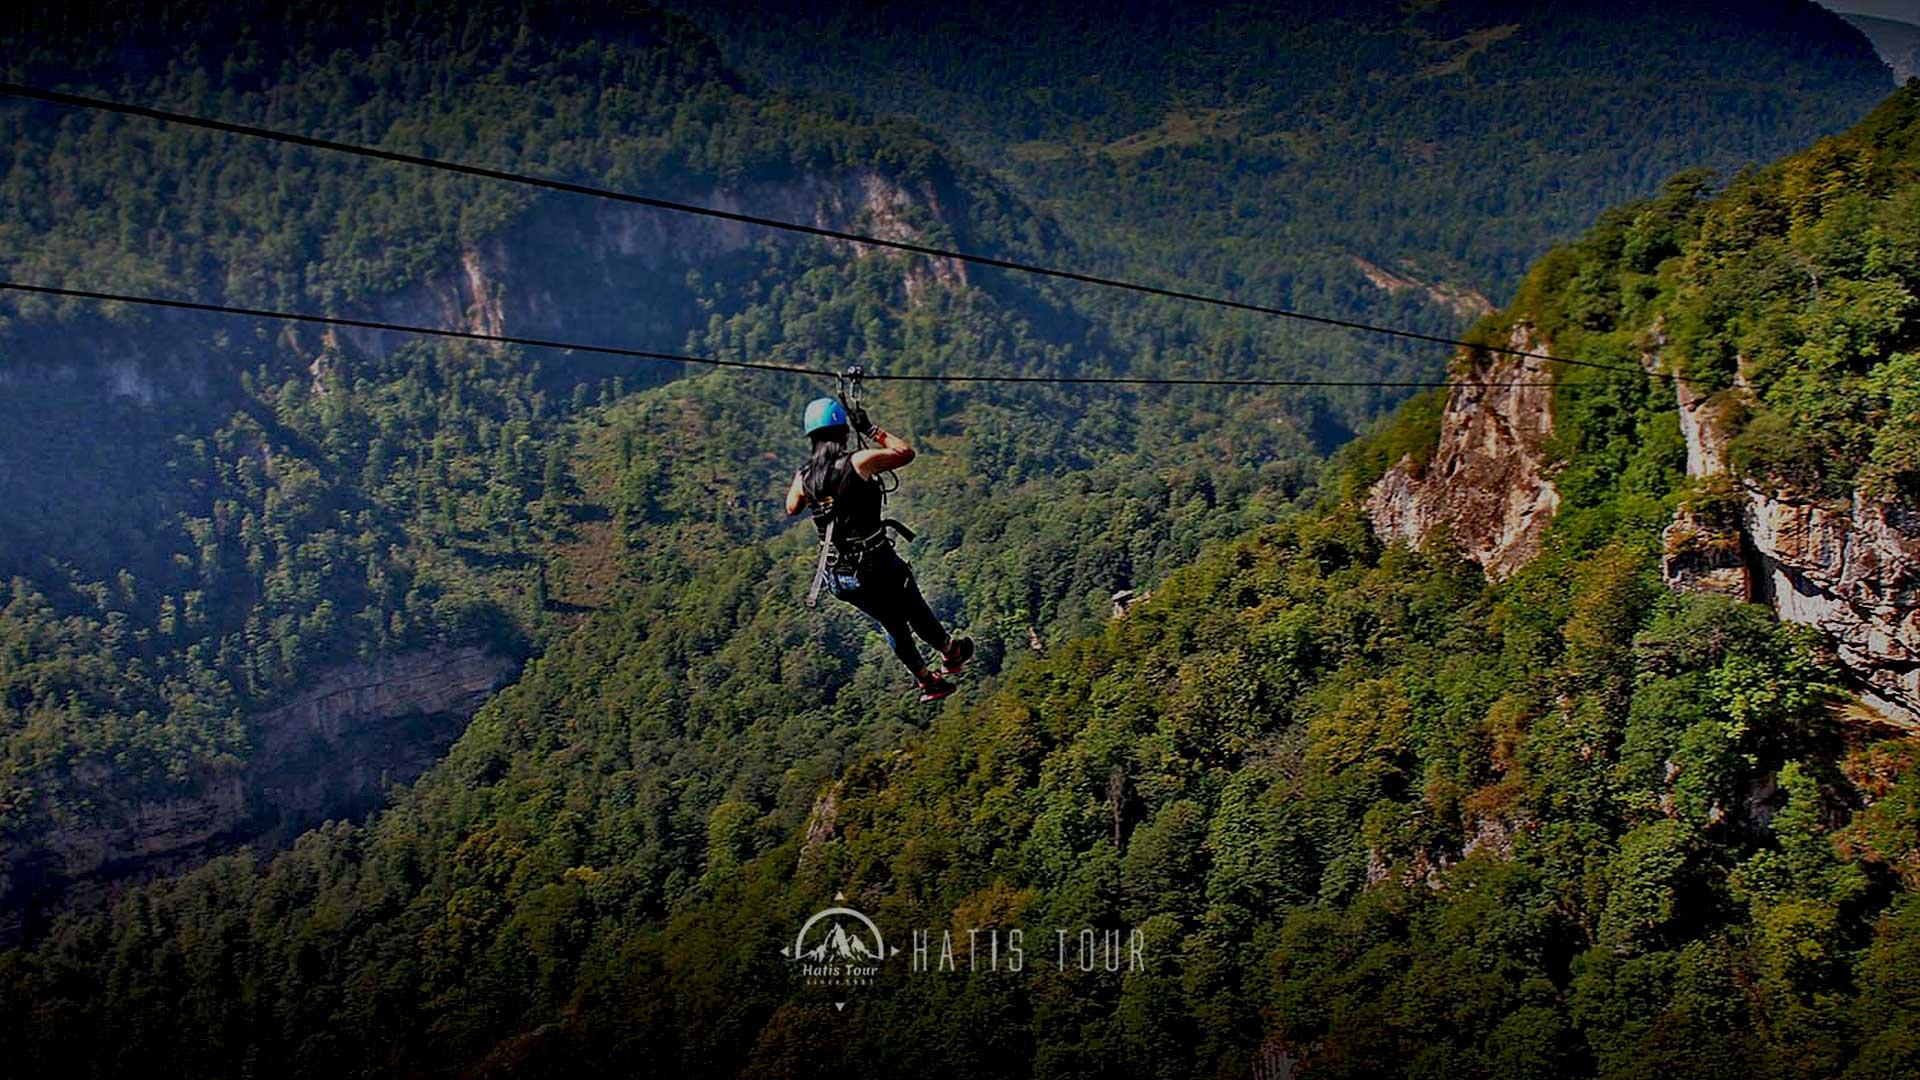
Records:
x=601, y=272
x=1705, y=550
x=1488, y=484
x=1852, y=569
x=329, y=752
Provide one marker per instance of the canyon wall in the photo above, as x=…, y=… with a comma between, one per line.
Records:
x=1851, y=569
x=328, y=752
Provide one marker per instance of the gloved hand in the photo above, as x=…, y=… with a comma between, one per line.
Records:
x=858, y=419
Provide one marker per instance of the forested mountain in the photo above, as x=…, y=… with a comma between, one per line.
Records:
x=1272, y=767
x=273, y=505
x=1292, y=149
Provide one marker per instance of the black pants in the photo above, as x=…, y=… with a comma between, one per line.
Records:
x=882, y=585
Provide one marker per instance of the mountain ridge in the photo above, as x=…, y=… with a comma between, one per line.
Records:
x=1897, y=42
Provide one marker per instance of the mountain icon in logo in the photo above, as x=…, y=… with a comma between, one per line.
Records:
x=838, y=942
x=842, y=944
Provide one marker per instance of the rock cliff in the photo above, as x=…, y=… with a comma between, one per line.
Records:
x=1705, y=550
x=1851, y=569
x=609, y=273
x=329, y=752
x=1487, y=484
x=334, y=748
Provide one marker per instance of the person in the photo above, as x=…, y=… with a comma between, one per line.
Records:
x=842, y=486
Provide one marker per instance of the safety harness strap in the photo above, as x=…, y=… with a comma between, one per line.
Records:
x=820, y=567
x=860, y=548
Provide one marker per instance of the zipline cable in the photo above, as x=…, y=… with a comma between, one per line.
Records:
x=711, y=361
x=403, y=328
x=57, y=97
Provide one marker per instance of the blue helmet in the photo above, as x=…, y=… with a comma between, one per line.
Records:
x=824, y=413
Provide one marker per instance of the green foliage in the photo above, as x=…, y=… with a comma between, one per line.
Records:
x=1259, y=150
x=1368, y=809
x=189, y=554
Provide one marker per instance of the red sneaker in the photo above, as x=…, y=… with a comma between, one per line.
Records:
x=959, y=651
x=933, y=688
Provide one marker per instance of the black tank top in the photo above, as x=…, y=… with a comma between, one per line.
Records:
x=841, y=495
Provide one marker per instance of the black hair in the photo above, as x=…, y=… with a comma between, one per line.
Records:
x=829, y=445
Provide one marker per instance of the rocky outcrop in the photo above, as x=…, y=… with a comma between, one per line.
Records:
x=1465, y=302
x=328, y=752
x=1487, y=485
x=603, y=272
x=1703, y=553
x=1850, y=569
x=332, y=750
x=1853, y=571
x=823, y=824
x=1704, y=549
x=1124, y=602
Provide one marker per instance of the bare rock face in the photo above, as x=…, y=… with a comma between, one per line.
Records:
x=609, y=273
x=329, y=752
x=1703, y=555
x=1852, y=570
x=1705, y=551
x=334, y=748
x=1468, y=303
x=823, y=824
x=1487, y=485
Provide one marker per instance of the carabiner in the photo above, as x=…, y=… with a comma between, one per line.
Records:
x=850, y=386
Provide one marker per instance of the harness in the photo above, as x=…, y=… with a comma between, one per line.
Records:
x=853, y=554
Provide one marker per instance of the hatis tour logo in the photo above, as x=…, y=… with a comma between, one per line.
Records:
x=839, y=946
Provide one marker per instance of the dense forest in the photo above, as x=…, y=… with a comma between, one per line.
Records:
x=263, y=512
x=1261, y=147
x=1370, y=812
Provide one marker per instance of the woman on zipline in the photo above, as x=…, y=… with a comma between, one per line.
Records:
x=858, y=559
